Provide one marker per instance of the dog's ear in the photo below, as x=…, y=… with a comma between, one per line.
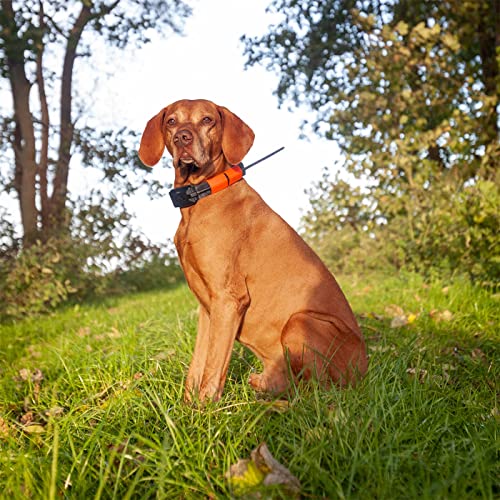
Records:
x=152, y=141
x=237, y=136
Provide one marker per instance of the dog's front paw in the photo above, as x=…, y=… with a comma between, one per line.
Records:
x=210, y=391
x=189, y=395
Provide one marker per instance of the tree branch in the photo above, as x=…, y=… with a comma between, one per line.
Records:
x=60, y=190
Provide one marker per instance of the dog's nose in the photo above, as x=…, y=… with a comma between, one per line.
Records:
x=184, y=136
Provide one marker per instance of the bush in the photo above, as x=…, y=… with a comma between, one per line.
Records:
x=99, y=255
x=36, y=281
x=460, y=232
x=157, y=272
x=48, y=274
x=439, y=231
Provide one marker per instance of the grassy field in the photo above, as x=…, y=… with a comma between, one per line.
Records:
x=91, y=403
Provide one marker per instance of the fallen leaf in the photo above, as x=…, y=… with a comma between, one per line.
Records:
x=336, y=414
x=393, y=310
x=56, y=411
x=37, y=376
x=446, y=315
x=479, y=355
x=84, y=331
x=27, y=418
x=244, y=475
x=261, y=469
x=114, y=333
x=278, y=474
x=441, y=315
x=34, y=429
x=33, y=352
x=380, y=348
x=421, y=373
x=399, y=321
x=278, y=406
x=24, y=374
x=4, y=429
x=164, y=355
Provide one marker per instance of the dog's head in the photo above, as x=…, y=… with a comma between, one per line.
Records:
x=201, y=137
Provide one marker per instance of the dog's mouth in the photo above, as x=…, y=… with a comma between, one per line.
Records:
x=188, y=166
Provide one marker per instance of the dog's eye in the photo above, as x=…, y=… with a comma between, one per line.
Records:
x=171, y=121
x=207, y=120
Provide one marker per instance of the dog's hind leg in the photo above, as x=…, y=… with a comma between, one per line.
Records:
x=321, y=346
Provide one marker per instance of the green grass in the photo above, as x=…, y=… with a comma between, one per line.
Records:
x=107, y=420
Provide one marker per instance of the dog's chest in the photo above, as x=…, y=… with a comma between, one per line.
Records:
x=193, y=242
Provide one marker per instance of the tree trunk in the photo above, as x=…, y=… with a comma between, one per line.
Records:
x=60, y=187
x=24, y=144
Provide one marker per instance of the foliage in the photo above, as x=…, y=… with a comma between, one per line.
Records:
x=36, y=281
x=451, y=232
x=91, y=402
x=409, y=90
x=10, y=242
x=308, y=46
x=100, y=255
x=43, y=43
x=158, y=269
x=340, y=226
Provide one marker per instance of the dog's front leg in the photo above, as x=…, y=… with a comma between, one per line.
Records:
x=197, y=366
x=226, y=315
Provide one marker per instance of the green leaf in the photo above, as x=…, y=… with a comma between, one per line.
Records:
x=402, y=28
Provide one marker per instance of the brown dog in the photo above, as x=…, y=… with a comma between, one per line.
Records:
x=256, y=280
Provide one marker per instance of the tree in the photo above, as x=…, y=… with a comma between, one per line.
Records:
x=410, y=91
x=32, y=32
x=315, y=43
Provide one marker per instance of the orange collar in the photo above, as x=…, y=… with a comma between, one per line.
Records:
x=187, y=196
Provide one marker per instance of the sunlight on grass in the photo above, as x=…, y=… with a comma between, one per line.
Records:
x=91, y=403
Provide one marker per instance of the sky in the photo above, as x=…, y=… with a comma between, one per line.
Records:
x=206, y=62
